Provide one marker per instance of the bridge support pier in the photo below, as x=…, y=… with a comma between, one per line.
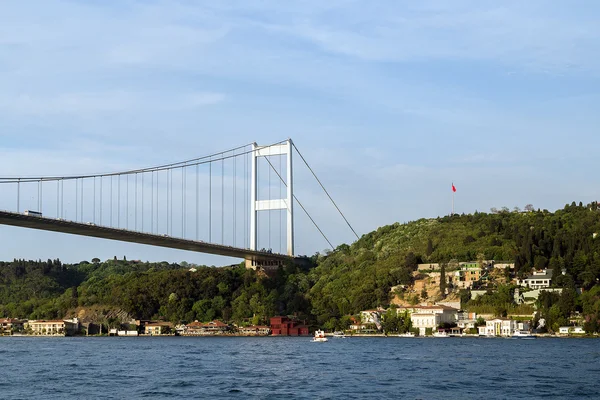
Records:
x=267, y=265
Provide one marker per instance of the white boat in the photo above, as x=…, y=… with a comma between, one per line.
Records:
x=407, y=334
x=440, y=334
x=339, y=334
x=319, y=336
x=522, y=335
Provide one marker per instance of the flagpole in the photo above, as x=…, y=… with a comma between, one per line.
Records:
x=453, y=192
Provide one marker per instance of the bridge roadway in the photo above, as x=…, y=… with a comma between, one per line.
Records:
x=103, y=232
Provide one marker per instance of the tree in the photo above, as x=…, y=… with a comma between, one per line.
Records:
x=411, y=261
x=529, y=208
x=429, y=247
x=443, y=280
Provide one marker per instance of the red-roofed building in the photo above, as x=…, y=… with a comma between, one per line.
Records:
x=204, y=329
x=284, y=326
x=10, y=325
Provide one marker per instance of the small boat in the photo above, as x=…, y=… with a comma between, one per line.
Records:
x=441, y=334
x=339, y=334
x=522, y=335
x=407, y=334
x=319, y=336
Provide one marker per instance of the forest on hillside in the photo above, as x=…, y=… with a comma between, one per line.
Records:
x=340, y=283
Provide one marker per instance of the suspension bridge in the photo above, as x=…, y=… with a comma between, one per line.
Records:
x=237, y=203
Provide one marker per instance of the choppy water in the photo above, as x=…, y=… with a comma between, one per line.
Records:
x=395, y=368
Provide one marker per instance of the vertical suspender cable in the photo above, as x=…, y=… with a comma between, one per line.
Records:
x=111, y=201
x=57, y=198
x=280, y=211
x=269, y=215
x=81, y=199
x=41, y=194
x=167, y=209
x=94, y=202
x=222, y=199
x=19, y=195
x=210, y=200
x=152, y=202
x=142, y=202
x=127, y=202
x=171, y=202
x=76, y=199
x=234, y=197
x=118, y=201
x=136, y=201
x=101, y=199
x=182, y=202
x=157, y=175
x=62, y=198
x=245, y=201
x=197, y=198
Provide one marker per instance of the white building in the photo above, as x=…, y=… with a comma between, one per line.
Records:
x=423, y=317
x=371, y=317
x=538, y=280
x=500, y=327
x=571, y=330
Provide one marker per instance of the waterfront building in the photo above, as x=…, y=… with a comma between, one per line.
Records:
x=430, y=316
x=8, y=326
x=571, y=330
x=154, y=329
x=254, y=330
x=372, y=317
x=284, y=326
x=206, y=329
x=500, y=327
x=67, y=327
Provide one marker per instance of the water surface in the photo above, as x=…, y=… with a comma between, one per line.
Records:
x=284, y=368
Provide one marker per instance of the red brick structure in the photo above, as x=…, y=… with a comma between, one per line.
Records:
x=284, y=326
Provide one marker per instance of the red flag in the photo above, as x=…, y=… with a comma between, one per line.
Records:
x=453, y=188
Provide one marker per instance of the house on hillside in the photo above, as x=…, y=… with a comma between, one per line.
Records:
x=538, y=280
x=467, y=275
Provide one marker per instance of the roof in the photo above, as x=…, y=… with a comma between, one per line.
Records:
x=9, y=320
x=159, y=324
x=215, y=323
x=436, y=307
x=547, y=274
x=210, y=324
x=44, y=321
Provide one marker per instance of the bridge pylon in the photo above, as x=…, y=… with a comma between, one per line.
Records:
x=257, y=205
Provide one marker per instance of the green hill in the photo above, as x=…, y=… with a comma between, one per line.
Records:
x=341, y=283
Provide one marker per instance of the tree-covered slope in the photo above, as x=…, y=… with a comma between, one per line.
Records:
x=349, y=279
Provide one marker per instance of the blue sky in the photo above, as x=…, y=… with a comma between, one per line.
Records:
x=389, y=101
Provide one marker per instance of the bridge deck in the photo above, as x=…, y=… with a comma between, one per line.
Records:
x=77, y=228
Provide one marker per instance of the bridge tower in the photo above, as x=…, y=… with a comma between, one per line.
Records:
x=257, y=205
